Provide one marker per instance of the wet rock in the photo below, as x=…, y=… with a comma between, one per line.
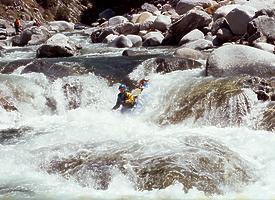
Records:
x=239, y=18
x=192, y=36
x=199, y=162
x=194, y=19
x=58, y=45
x=214, y=102
x=200, y=44
x=218, y=24
x=72, y=92
x=184, y=6
x=188, y=54
x=12, y=135
x=225, y=34
x=13, y=65
x=22, y=39
x=129, y=52
x=56, y=70
x=121, y=42
x=262, y=95
x=109, y=38
x=267, y=121
x=153, y=39
x=7, y=104
x=232, y=60
x=166, y=65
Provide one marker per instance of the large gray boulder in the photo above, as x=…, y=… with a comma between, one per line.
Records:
x=184, y=6
x=192, y=36
x=234, y=60
x=57, y=46
x=135, y=39
x=223, y=11
x=265, y=46
x=239, y=18
x=194, y=19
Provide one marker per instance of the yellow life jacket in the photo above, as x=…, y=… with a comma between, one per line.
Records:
x=130, y=97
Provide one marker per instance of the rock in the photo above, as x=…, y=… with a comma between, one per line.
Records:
x=23, y=38
x=153, y=39
x=106, y=14
x=223, y=11
x=56, y=70
x=114, y=21
x=135, y=39
x=239, y=18
x=109, y=38
x=261, y=26
x=98, y=35
x=162, y=22
x=267, y=121
x=192, y=36
x=127, y=28
x=7, y=105
x=262, y=95
x=166, y=65
x=143, y=17
x=184, y=6
x=57, y=46
x=225, y=34
x=265, y=46
x=218, y=24
x=129, y=52
x=235, y=60
x=194, y=19
x=200, y=44
x=61, y=26
x=150, y=8
x=188, y=54
x=121, y=42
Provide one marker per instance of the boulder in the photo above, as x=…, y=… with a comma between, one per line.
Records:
x=223, y=11
x=150, y=8
x=135, y=39
x=166, y=65
x=58, y=45
x=188, y=53
x=184, y=6
x=129, y=52
x=194, y=19
x=61, y=26
x=127, y=28
x=7, y=104
x=153, y=39
x=239, y=18
x=121, y=42
x=144, y=16
x=218, y=24
x=162, y=23
x=265, y=46
x=225, y=34
x=98, y=35
x=261, y=26
x=23, y=38
x=192, y=36
x=110, y=38
x=235, y=60
x=200, y=44
x=114, y=21
x=106, y=14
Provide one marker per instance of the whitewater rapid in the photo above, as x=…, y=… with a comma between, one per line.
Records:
x=60, y=133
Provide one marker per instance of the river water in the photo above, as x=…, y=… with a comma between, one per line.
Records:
x=54, y=152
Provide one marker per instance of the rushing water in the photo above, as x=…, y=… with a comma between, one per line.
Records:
x=38, y=135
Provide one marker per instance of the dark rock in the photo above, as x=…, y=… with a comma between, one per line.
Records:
x=218, y=24
x=127, y=28
x=194, y=19
x=99, y=35
x=121, y=42
x=262, y=95
x=7, y=104
x=129, y=52
x=166, y=65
